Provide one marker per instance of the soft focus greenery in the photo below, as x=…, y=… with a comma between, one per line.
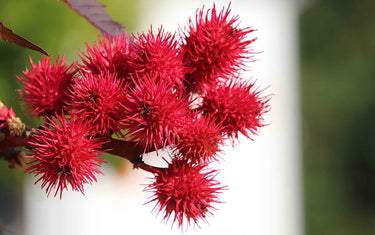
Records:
x=338, y=98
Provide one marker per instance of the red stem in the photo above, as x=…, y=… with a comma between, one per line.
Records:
x=125, y=149
x=130, y=151
x=13, y=141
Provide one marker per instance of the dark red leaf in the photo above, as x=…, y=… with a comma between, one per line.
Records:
x=95, y=13
x=8, y=35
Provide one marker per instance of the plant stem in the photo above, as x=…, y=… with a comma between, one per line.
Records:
x=125, y=149
x=13, y=141
x=130, y=151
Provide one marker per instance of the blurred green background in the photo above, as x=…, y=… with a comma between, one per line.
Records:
x=337, y=70
x=337, y=45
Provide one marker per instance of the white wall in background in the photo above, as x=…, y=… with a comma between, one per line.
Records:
x=264, y=176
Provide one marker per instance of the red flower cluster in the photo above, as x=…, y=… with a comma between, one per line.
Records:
x=143, y=94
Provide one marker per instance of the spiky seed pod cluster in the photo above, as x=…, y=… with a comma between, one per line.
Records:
x=150, y=91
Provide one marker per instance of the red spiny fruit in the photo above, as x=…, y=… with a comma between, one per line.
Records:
x=46, y=86
x=64, y=154
x=159, y=56
x=185, y=190
x=97, y=100
x=111, y=55
x=200, y=140
x=6, y=115
x=236, y=106
x=9, y=119
x=214, y=47
x=155, y=112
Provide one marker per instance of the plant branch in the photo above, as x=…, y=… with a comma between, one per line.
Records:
x=130, y=151
x=13, y=141
x=125, y=149
x=9, y=140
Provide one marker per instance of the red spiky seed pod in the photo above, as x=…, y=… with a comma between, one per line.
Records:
x=200, y=141
x=64, y=154
x=9, y=120
x=97, y=100
x=155, y=112
x=214, y=47
x=185, y=191
x=110, y=55
x=158, y=55
x=46, y=86
x=236, y=106
x=6, y=115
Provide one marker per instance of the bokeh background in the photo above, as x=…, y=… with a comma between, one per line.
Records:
x=338, y=104
x=336, y=82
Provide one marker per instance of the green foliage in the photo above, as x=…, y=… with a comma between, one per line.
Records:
x=338, y=78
